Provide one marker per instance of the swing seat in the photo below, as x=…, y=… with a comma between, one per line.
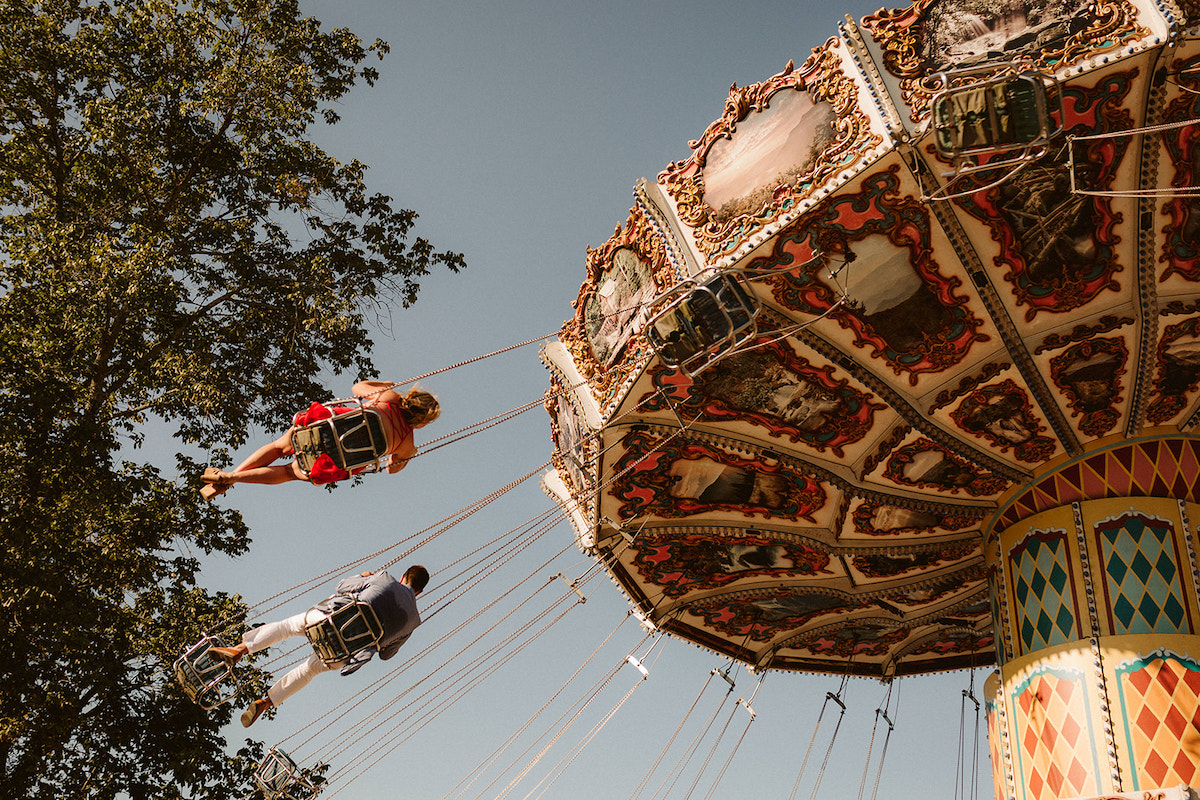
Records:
x=278, y=778
x=353, y=437
x=207, y=680
x=694, y=324
x=1001, y=121
x=347, y=628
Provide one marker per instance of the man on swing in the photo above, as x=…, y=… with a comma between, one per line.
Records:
x=394, y=603
x=400, y=416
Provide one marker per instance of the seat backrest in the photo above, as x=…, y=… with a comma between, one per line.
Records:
x=352, y=439
x=349, y=627
x=694, y=328
x=279, y=778
x=360, y=437
x=995, y=116
x=207, y=680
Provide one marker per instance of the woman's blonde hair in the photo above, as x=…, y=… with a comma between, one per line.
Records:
x=420, y=406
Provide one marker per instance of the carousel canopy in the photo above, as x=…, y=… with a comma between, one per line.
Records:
x=891, y=287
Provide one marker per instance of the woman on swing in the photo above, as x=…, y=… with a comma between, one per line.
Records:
x=400, y=415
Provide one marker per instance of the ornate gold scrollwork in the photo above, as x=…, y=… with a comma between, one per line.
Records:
x=967, y=384
x=821, y=76
x=901, y=35
x=639, y=237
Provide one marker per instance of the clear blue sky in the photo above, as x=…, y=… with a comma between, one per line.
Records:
x=517, y=130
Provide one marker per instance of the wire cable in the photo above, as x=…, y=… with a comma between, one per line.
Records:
x=637, y=791
x=570, y=757
x=477, y=358
x=816, y=729
x=879, y=712
x=737, y=745
x=563, y=729
x=480, y=768
x=685, y=759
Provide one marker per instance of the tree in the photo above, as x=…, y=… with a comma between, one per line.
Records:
x=173, y=245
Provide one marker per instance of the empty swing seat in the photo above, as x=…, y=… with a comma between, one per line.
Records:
x=1002, y=120
x=697, y=323
x=349, y=627
x=278, y=778
x=353, y=437
x=207, y=680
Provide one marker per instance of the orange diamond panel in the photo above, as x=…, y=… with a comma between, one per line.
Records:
x=1055, y=748
x=1162, y=708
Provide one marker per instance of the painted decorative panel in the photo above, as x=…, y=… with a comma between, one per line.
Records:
x=907, y=311
x=624, y=275
x=1176, y=371
x=1054, y=747
x=757, y=616
x=1002, y=415
x=1142, y=584
x=1043, y=591
x=1089, y=376
x=1059, y=253
x=779, y=142
x=574, y=447
x=1160, y=694
x=1181, y=250
x=925, y=464
x=874, y=518
x=772, y=387
x=1154, y=468
x=682, y=478
x=681, y=564
x=932, y=35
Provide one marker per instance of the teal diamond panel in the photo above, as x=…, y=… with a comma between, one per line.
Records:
x=1003, y=642
x=1043, y=591
x=1143, y=585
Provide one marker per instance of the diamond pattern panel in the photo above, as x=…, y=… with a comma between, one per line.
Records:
x=1161, y=696
x=1043, y=591
x=1151, y=468
x=1054, y=743
x=1142, y=578
x=1003, y=638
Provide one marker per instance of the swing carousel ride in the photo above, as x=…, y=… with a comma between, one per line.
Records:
x=897, y=372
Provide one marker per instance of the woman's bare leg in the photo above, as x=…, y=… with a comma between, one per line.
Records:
x=268, y=453
x=272, y=474
x=260, y=467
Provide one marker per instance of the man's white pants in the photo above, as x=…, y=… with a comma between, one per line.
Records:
x=264, y=636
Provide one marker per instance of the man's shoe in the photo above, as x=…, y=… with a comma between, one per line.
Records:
x=229, y=655
x=255, y=711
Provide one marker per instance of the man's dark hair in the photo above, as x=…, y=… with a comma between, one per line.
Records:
x=417, y=577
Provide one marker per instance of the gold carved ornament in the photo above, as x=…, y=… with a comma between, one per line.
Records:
x=900, y=34
x=640, y=237
x=822, y=77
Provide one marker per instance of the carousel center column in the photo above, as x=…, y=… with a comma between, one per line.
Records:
x=1096, y=604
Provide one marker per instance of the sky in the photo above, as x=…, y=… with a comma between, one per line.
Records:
x=517, y=130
